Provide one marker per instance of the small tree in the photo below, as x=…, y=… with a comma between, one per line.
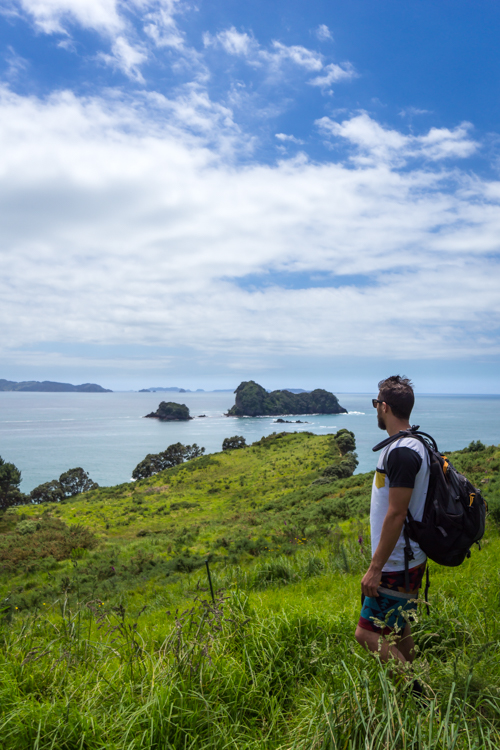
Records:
x=10, y=479
x=174, y=455
x=75, y=481
x=48, y=492
x=475, y=445
x=232, y=443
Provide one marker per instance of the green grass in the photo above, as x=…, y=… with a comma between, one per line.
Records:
x=119, y=647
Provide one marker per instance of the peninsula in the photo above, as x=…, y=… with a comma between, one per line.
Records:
x=252, y=400
x=169, y=411
x=48, y=386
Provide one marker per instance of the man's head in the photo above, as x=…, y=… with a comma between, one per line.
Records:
x=396, y=392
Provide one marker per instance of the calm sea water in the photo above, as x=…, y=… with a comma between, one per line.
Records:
x=45, y=434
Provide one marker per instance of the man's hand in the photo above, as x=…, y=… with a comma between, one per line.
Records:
x=371, y=581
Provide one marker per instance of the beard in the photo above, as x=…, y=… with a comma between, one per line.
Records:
x=380, y=422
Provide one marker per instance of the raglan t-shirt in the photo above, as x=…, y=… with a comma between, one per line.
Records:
x=406, y=465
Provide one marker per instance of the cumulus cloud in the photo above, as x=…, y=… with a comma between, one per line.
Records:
x=333, y=73
x=127, y=222
x=53, y=15
x=233, y=42
x=374, y=143
x=288, y=138
x=278, y=55
x=323, y=33
x=112, y=19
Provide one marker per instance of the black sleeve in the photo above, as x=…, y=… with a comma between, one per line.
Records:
x=403, y=465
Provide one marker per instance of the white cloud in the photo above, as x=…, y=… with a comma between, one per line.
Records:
x=112, y=20
x=287, y=138
x=333, y=73
x=278, y=57
x=323, y=33
x=233, y=42
x=52, y=15
x=126, y=58
x=305, y=58
x=127, y=222
x=413, y=111
x=16, y=65
x=376, y=144
x=161, y=26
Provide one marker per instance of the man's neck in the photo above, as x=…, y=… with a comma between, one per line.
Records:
x=396, y=425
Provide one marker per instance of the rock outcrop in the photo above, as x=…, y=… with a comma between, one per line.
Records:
x=169, y=411
x=252, y=400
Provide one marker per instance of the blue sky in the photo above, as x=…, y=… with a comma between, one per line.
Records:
x=302, y=193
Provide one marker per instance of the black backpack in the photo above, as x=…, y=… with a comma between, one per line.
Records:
x=454, y=512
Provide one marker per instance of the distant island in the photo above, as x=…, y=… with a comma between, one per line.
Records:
x=48, y=386
x=252, y=400
x=169, y=411
x=175, y=389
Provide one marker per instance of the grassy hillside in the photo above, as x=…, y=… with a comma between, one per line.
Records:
x=110, y=639
x=231, y=507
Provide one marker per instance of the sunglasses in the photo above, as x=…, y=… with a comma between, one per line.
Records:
x=376, y=401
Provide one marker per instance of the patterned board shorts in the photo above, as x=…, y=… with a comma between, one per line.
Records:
x=386, y=613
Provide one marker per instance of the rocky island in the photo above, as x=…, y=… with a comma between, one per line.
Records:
x=169, y=411
x=252, y=400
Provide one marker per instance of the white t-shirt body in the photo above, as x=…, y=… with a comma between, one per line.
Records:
x=380, y=503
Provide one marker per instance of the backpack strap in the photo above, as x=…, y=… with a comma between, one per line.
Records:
x=427, y=587
x=408, y=556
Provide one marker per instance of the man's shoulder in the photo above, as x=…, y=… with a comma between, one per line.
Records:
x=412, y=443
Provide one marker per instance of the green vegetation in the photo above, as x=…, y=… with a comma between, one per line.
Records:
x=10, y=479
x=71, y=483
x=110, y=639
x=175, y=454
x=232, y=443
x=253, y=400
x=170, y=411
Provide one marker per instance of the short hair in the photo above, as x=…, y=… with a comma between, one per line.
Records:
x=397, y=392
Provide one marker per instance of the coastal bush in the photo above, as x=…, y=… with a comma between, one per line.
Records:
x=474, y=446
x=345, y=440
x=43, y=538
x=10, y=479
x=48, y=492
x=343, y=469
x=232, y=443
x=75, y=481
x=175, y=454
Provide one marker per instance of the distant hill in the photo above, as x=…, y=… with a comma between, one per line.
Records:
x=175, y=389
x=48, y=386
x=159, y=389
x=253, y=400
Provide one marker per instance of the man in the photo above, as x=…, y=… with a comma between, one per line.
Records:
x=400, y=483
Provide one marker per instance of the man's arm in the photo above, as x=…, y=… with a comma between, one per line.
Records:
x=399, y=500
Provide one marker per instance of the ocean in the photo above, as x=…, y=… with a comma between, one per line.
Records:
x=45, y=434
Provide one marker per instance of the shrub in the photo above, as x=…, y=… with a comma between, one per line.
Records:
x=48, y=492
x=494, y=508
x=232, y=443
x=345, y=440
x=75, y=481
x=475, y=445
x=343, y=469
x=174, y=455
x=10, y=479
x=51, y=538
